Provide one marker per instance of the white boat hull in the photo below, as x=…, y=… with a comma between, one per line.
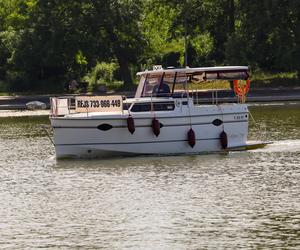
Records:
x=79, y=136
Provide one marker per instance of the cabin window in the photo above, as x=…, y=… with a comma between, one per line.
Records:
x=157, y=106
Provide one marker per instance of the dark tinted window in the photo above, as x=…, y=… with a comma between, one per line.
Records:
x=157, y=106
x=126, y=106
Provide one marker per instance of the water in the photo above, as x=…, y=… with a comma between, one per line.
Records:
x=243, y=200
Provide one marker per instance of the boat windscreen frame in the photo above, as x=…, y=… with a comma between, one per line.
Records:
x=173, y=77
x=174, y=82
x=141, y=86
x=221, y=73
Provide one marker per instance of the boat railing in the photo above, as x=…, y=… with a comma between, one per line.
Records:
x=216, y=96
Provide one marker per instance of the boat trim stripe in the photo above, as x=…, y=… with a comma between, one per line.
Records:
x=124, y=143
x=134, y=117
x=145, y=126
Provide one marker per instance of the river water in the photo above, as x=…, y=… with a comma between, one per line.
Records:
x=248, y=200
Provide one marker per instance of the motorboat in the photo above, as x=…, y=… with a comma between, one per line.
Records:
x=165, y=117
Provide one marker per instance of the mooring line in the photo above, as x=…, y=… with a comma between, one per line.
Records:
x=43, y=126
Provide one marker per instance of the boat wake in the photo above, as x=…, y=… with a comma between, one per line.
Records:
x=281, y=146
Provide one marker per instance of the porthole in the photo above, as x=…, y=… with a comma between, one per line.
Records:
x=217, y=122
x=105, y=127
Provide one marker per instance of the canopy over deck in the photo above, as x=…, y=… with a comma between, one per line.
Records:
x=165, y=82
x=198, y=71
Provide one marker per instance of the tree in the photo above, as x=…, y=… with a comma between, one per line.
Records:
x=295, y=13
x=161, y=48
x=51, y=41
x=119, y=20
x=8, y=36
x=207, y=24
x=62, y=39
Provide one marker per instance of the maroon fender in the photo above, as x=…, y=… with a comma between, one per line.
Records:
x=224, y=139
x=191, y=138
x=130, y=124
x=155, y=127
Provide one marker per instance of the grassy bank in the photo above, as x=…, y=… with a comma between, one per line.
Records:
x=274, y=80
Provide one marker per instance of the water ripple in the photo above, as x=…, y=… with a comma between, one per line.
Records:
x=240, y=200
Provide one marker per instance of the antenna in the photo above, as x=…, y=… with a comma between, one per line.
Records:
x=185, y=37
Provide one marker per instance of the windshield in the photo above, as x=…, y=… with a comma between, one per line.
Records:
x=160, y=84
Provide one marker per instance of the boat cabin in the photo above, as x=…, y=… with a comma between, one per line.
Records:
x=158, y=90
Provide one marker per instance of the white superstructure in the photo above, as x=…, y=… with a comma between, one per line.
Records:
x=163, y=118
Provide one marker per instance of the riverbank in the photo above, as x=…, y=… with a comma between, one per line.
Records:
x=255, y=95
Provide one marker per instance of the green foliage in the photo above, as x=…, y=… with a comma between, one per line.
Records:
x=3, y=87
x=156, y=24
x=80, y=58
x=46, y=42
x=263, y=79
x=267, y=75
x=101, y=74
x=236, y=53
x=202, y=43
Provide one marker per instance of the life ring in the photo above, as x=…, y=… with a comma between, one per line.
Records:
x=241, y=90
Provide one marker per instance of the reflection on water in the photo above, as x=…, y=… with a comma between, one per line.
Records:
x=277, y=122
x=240, y=200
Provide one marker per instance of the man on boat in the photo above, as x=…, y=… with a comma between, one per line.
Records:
x=161, y=89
